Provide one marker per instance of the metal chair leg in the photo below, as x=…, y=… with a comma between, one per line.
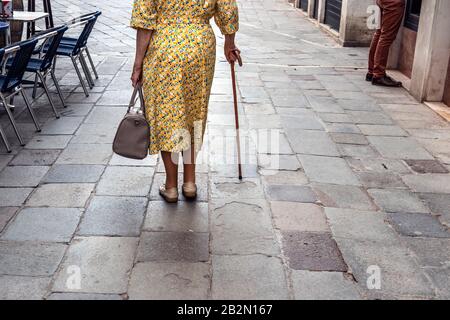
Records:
x=86, y=70
x=11, y=119
x=77, y=69
x=5, y=139
x=92, y=62
x=35, y=86
x=30, y=110
x=58, y=88
x=47, y=92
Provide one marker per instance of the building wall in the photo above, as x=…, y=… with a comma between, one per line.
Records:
x=353, y=28
x=407, y=51
x=447, y=87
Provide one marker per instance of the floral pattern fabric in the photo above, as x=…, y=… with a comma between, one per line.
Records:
x=179, y=66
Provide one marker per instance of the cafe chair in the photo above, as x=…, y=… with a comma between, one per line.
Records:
x=11, y=82
x=75, y=52
x=73, y=41
x=43, y=66
x=2, y=132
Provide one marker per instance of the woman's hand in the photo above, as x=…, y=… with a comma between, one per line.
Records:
x=136, y=76
x=142, y=42
x=231, y=51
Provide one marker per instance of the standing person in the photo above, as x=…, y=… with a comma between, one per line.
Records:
x=175, y=61
x=392, y=12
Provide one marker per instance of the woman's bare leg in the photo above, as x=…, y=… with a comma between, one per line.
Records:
x=171, y=164
x=189, y=159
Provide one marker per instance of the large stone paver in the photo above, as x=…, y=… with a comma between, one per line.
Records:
x=43, y=224
x=173, y=247
x=6, y=213
x=113, y=216
x=398, y=201
x=184, y=217
x=28, y=176
x=169, y=281
x=14, y=197
x=400, y=148
x=328, y=170
x=310, y=285
x=312, y=142
x=23, y=288
x=247, y=278
x=30, y=258
x=74, y=174
x=103, y=264
x=73, y=195
x=291, y=216
x=242, y=227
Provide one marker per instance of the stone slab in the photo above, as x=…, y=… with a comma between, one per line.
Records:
x=6, y=214
x=182, y=217
x=292, y=216
x=426, y=166
x=169, y=281
x=104, y=264
x=173, y=246
x=86, y=154
x=23, y=288
x=310, y=285
x=14, y=197
x=349, y=197
x=29, y=157
x=126, y=181
x=30, y=258
x=61, y=195
x=418, y=225
x=312, y=142
x=242, y=227
x=429, y=183
x=43, y=224
x=291, y=193
x=73, y=173
x=396, y=201
x=400, y=148
x=22, y=176
x=328, y=170
x=312, y=251
x=240, y=278
x=113, y=216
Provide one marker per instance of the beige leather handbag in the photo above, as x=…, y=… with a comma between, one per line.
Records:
x=133, y=135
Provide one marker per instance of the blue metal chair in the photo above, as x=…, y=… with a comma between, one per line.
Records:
x=72, y=41
x=43, y=66
x=11, y=82
x=75, y=52
x=2, y=132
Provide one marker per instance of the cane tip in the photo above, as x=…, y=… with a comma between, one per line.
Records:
x=240, y=178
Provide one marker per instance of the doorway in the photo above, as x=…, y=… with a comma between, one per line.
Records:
x=333, y=11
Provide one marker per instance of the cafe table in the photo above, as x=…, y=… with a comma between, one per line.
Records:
x=28, y=17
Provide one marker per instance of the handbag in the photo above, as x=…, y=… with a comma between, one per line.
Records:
x=132, y=139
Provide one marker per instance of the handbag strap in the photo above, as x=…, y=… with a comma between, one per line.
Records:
x=137, y=94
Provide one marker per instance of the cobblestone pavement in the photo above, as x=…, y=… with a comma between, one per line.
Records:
x=352, y=188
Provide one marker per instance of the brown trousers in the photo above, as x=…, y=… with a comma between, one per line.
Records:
x=392, y=12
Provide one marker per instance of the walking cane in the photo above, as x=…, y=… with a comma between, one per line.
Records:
x=236, y=111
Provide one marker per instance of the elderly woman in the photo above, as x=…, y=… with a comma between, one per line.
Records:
x=175, y=60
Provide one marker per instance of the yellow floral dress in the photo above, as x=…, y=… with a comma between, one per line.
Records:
x=179, y=66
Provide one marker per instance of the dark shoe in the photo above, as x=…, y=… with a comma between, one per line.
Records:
x=369, y=77
x=386, y=81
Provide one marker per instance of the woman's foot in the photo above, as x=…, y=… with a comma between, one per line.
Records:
x=190, y=190
x=170, y=194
